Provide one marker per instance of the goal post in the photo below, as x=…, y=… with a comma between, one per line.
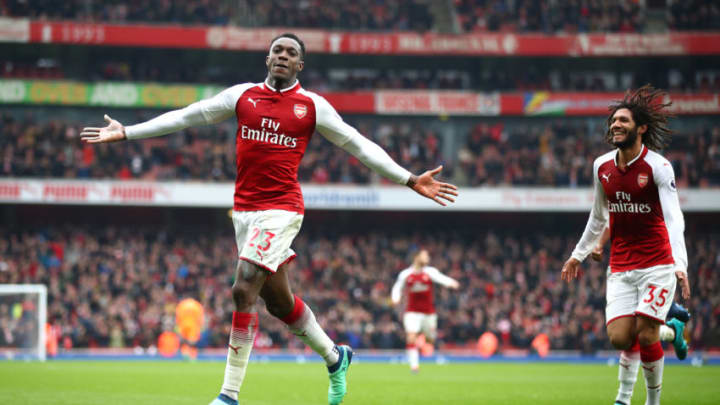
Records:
x=23, y=315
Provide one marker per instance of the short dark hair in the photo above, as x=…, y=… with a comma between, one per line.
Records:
x=647, y=107
x=292, y=36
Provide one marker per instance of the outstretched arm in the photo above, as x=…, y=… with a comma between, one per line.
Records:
x=397, y=288
x=427, y=186
x=113, y=132
x=442, y=279
x=332, y=127
x=597, y=222
x=208, y=111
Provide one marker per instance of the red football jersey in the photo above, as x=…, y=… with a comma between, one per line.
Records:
x=419, y=286
x=274, y=129
x=646, y=224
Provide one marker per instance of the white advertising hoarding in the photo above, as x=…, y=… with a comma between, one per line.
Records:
x=390, y=198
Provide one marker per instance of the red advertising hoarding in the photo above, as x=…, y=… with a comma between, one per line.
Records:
x=396, y=43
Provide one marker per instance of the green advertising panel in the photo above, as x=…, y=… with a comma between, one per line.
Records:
x=102, y=94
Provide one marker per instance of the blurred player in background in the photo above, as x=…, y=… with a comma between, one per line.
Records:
x=276, y=120
x=635, y=190
x=189, y=320
x=672, y=331
x=420, y=316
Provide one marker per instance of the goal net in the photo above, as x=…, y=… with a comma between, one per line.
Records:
x=23, y=314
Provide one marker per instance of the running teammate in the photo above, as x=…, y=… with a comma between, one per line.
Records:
x=635, y=190
x=420, y=316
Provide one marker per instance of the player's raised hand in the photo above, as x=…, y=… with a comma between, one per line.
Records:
x=684, y=284
x=427, y=186
x=570, y=270
x=113, y=132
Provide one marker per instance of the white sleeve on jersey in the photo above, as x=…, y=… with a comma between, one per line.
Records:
x=598, y=219
x=438, y=277
x=208, y=111
x=331, y=126
x=673, y=216
x=397, y=288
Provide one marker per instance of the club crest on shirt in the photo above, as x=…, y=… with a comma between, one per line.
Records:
x=642, y=179
x=300, y=110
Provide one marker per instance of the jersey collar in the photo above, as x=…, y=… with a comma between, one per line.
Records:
x=292, y=87
x=643, y=152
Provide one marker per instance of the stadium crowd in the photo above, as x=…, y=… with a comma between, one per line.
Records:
x=557, y=153
x=118, y=286
x=693, y=15
x=372, y=15
x=561, y=154
x=550, y=16
x=334, y=14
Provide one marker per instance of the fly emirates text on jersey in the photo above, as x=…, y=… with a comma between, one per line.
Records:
x=624, y=204
x=268, y=133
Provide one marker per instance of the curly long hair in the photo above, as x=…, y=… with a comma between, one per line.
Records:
x=648, y=108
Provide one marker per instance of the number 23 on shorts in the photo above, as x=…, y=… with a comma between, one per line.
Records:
x=262, y=243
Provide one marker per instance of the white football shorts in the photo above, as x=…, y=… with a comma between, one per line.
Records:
x=418, y=322
x=264, y=237
x=648, y=292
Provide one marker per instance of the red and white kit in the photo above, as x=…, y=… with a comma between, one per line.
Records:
x=646, y=233
x=274, y=129
x=420, y=309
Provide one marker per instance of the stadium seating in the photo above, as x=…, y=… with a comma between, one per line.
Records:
x=117, y=286
x=558, y=153
x=369, y=15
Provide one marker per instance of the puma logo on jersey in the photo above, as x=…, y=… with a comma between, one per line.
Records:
x=606, y=177
x=235, y=349
x=254, y=102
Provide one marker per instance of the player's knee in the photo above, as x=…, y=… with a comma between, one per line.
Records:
x=620, y=341
x=242, y=296
x=648, y=336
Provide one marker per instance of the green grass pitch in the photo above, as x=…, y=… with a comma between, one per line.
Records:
x=178, y=383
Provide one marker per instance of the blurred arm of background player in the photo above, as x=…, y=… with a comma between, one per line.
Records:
x=597, y=253
x=442, y=279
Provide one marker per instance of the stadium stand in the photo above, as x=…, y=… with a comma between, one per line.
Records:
x=117, y=286
x=553, y=153
x=368, y=15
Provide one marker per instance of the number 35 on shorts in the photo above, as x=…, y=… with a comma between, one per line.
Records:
x=655, y=298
